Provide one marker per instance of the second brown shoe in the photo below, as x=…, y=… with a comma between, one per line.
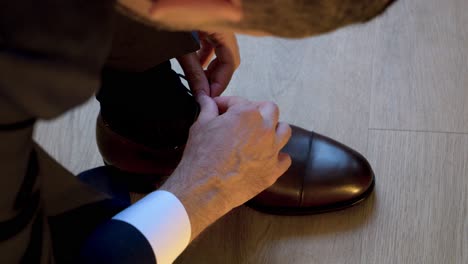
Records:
x=324, y=176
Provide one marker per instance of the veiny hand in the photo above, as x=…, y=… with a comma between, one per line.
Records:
x=232, y=154
x=214, y=80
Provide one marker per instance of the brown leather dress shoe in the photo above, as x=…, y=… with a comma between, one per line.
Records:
x=134, y=157
x=325, y=175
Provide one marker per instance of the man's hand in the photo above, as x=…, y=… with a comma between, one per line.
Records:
x=232, y=154
x=221, y=69
x=214, y=80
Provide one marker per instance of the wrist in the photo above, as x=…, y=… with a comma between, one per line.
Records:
x=202, y=202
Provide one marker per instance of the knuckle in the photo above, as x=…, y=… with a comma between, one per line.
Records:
x=195, y=77
x=198, y=75
x=250, y=112
x=247, y=108
x=255, y=114
x=239, y=111
x=274, y=106
x=270, y=104
x=288, y=130
x=238, y=100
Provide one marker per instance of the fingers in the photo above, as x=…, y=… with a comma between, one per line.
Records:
x=220, y=74
x=209, y=109
x=220, y=70
x=223, y=67
x=284, y=162
x=194, y=73
x=206, y=52
x=270, y=113
x=226, y=102
x=283, y=134
x=227, y=49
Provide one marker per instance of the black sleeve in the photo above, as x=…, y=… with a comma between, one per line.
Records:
x=117, y=242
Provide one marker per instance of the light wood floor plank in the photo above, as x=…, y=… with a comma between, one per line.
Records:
x=71, y=138
x=421, y=67
x=421, y=205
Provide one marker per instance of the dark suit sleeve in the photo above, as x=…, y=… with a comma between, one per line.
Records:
x=117, y=242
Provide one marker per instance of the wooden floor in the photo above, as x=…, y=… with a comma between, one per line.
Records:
x=397, y=91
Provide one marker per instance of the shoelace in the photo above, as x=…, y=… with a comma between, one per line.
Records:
x=185, y=78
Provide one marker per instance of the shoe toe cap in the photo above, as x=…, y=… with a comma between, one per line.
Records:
x=335, y=174
x=325, y=176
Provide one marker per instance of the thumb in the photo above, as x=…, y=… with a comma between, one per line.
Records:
x=209, y=108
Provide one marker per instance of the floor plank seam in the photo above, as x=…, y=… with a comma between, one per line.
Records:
x=419, y=131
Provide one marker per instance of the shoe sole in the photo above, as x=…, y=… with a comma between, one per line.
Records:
x=286, y=211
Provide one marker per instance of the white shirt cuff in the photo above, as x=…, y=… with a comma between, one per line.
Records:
x=163, y=220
